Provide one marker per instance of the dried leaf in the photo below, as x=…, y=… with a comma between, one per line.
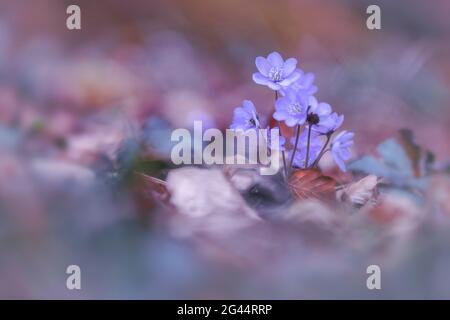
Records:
x=199, y=192
x=360, y=192
x=206, y=203
x=311, y=183
x=157, y=187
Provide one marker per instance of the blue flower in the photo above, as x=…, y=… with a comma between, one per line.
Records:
x=318, y=113
x=274, y=72
x=329, y=124
x=304, y=84
x=291, y=108
x=245, y=117
x=340, y=148
x=315, y=146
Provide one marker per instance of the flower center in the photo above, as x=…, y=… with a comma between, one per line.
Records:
x=254, y=122
x=313, y=118
x=295, y=108
x=276, y=73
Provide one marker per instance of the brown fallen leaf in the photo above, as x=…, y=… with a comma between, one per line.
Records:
x=311, y=183
x=157, y=187
x=360, y=192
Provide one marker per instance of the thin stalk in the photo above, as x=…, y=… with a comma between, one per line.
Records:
x=282, y=152
x=322, y=152
x=295, y=147
x=307, y=146
x=284, y=164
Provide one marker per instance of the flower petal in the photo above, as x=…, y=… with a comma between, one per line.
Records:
x=290, y=79
x=339, y=162
x=249, y=107
x=350, y=135
x=263, y=66
x=291, y=94
x=274, y=86
x=324, y=109
x=279, y=115
x=290, y=122
x=282, y=104
x=339, y=121
x=312, y=104
x=289, y=66
x=308, y=79
x=275, y=59
x=260, y=79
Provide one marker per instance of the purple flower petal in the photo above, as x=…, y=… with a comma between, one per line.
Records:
x=260, y=79
x=275, y=59
x=245, y=117
x=290, y=122
x=323, y=109
x=289, y=66
x=340, y=148
x=274, y=86
x=340, y=163
x=249, y=106
x=290, y=79
x=263, y=66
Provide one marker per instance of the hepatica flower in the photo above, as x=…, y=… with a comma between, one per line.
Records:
x=340, y=148
x=245, y=117
x=314, y=122
x=274, y=72
x=291, y=108
x=317, y=113
x=304, y=84
x=329, y=124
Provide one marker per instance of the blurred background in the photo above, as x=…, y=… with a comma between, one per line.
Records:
x=82, y=110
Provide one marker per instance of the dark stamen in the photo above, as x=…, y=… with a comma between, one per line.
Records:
x=313, y=118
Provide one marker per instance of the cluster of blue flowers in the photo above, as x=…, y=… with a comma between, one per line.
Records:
x=296, y=105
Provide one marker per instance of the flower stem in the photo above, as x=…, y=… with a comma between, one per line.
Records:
x=295, y=147
x=307, y=146
x=322, y=152
x=282, y=152
x=284, y=164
